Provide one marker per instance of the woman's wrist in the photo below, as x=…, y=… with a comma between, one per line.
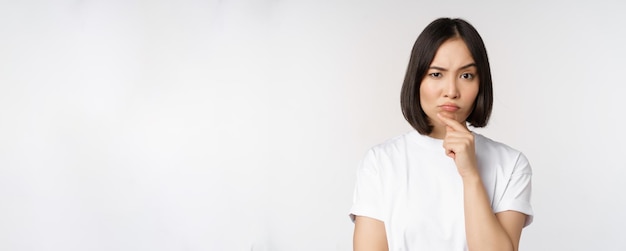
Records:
x=470, y=178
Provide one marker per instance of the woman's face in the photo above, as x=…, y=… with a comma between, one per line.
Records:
x=450, y=85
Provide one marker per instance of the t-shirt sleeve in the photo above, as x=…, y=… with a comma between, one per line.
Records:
x=367, y=191
x=516, y=196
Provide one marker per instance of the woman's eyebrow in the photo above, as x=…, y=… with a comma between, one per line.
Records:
x=439, y=68
x=468, y=66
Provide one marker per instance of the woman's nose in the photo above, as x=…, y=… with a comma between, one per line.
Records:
x=451, y=90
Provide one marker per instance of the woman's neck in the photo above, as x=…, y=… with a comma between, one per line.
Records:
x=438, y=132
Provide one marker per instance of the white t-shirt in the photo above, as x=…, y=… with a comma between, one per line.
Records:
x=415, y=189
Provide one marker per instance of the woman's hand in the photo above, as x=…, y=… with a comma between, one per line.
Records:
x=459, y=145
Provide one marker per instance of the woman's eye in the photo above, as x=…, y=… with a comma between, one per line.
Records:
x=435, y=74
x=467, y=76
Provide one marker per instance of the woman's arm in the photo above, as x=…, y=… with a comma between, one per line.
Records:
x=369, y=234
x=484, y=230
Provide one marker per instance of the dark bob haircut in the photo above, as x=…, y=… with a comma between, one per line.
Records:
x=424, y=50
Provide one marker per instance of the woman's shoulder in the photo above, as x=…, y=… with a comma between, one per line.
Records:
x=488, y=147
x=484, y=141
x=395, y=143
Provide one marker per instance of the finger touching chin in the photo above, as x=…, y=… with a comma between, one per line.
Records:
x=449, y=115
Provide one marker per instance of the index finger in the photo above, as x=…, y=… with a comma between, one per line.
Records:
x=455, y=125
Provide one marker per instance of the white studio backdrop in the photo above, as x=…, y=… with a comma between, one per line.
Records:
x=238, y=125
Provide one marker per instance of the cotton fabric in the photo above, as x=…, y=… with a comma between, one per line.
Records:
x=411, y=185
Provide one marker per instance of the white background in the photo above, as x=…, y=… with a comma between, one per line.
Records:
x=238, y=125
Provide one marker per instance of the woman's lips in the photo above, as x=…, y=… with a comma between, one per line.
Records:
x=449, y=107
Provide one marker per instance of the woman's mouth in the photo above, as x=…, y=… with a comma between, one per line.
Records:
x=449, y=107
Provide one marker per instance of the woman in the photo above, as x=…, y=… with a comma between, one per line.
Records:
x=443, y=187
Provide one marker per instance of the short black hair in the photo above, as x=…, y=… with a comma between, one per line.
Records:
x=424, y=50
